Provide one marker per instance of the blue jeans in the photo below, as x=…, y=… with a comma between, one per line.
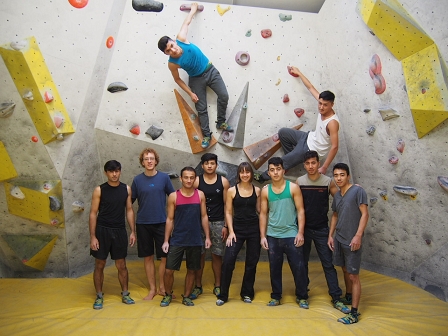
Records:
x=320, y=238
x=250, y=267
x=278, y=247
x=198, y=85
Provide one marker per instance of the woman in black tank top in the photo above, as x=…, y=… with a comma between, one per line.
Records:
x=241, y=210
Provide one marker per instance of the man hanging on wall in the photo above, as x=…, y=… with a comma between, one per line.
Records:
x=349, y=220
x=201, y=73
x=111, y=202
x=324, y=139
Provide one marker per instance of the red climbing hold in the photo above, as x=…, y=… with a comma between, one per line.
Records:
x=266, y=33
x=290, y=71
x=110, y=42
x=78, y=3
x=135, y=130
x=34, y=138
x=285, y=98
x=48, y=97
x=299, y=112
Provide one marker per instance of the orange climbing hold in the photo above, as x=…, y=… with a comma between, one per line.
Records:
x=78, y=3
x=110, y=42
x=135, y=130
x=34, y=138
x=48, y=97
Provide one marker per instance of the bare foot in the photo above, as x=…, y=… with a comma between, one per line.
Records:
x=150, y=295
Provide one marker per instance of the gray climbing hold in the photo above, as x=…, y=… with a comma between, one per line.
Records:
x=195, y=137
x=78, y=206
x=227, y=137
x=154, y=132
x=116, y=87
x=443, y=182
x=173, y=175
x=371, y=130
x=249, y=33
x=388, y=113
x=6, y=109
x=405, y=190
x=28, y=95
x=55, y=203
x=383, y=194
x=17, y=193
x=367, y=110
x=147, y=6
x=18, y=45
x=284, y=17
x=373, y=200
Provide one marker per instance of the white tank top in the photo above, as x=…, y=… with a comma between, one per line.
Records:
x=319, y=140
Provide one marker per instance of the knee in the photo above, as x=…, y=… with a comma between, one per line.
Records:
x=100, y=264
x=224, y=97
x=354, y=278
x=282, y=131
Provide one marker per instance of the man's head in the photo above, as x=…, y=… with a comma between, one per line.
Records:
x=187, y=177
x=149, y=158
x=169, y=47
x=275, y=168
x=311, y=162
x=326, y=102
x=209, y=162
x=244, y=169
x=112, y=170
x=341, y=174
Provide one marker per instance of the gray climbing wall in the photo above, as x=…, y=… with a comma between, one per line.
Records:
x=406, y=238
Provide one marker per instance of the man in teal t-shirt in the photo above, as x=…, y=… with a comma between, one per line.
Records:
x=201, y=73
x=282, y=224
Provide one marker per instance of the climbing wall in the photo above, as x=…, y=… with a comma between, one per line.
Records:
x=119, y=97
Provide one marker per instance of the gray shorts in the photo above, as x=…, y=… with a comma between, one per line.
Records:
x=218, y=246
x=343, y=256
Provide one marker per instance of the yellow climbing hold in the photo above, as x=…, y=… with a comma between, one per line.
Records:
x=222, y=11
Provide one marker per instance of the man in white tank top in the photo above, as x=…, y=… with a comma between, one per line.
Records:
x=324, y=139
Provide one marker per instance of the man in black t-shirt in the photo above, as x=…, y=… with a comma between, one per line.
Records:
x=111, y=202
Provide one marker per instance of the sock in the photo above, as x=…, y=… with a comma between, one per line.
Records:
x=100, y=295
x=348, y=296
x=354, y=311
x=124, y=293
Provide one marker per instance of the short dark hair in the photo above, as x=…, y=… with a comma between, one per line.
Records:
x=112, y=165
x=244, y=166
x=209, y=157
x=276, y=161
x=327, y=95
x=342, y=166
x=163, y=42
x=310, y=155
x=188, y=168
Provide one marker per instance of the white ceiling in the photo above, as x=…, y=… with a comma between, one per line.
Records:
x=312, y=6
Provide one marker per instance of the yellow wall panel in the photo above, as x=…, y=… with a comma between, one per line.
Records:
x=39, y=261
x=7, y=171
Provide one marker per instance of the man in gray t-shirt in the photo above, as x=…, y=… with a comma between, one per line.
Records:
x=348, y=223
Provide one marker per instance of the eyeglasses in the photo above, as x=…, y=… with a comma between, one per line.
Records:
x=149, y=159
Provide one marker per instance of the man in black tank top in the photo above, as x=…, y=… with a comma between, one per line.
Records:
x=215, y=189
x=111, y=203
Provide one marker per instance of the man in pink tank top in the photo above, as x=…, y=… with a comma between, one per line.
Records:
x=324, y=139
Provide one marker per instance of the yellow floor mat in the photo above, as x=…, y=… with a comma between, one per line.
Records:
x=64, y=307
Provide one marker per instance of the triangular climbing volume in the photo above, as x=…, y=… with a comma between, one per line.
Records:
x=192, y=126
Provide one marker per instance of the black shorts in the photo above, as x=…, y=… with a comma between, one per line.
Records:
x=176, y=253
x=149, y=235
x=345, y=257
x=113, y=241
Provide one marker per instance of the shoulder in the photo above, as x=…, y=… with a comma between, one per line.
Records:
x=225, y=181
x=301, y=179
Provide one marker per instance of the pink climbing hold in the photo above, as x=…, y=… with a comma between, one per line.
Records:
x=423, y=90
x=78, y=3
x=275, y=137
x=393, y=160
x=299, y=112
x=400, y=145
x=379, y=83
x=187, y=8
x=285, y=98
x=48, y=97
x=58, y=120
x=290, y=71
x=375, y=68
x=135, y=130
x=266, y=33
x=110, y=42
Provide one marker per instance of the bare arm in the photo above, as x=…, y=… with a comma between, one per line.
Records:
x=182, y=35
x=298, y=201
x=204, y=220
x=196, y=183
x=258, y=205
x=226, y=185
x=264, y=218
x=169, y=225
x=174, y=68
x=355, y=244
x=333, y=222
x=130, y=217
x=333, y=188
x=333, y=129
x=94, y=244
x=229, y=215
x=305, y=82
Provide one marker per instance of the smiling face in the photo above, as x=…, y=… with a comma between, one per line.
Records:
x=341, y=178
x=245, y=175
x=325, y=107
x=149, y=161
x=172, y=49
x=187, y=178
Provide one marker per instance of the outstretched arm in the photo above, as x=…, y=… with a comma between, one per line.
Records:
x=174, y=68
x=305, y=81
x=182, y=36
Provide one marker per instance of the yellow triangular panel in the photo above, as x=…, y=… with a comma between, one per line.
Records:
x=39, y=261
x=425, y=121
x=7, y=171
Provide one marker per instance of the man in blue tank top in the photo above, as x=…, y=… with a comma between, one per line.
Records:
x=201, y=73
x=282, y=224
x=324, y=139
x=111, y=203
